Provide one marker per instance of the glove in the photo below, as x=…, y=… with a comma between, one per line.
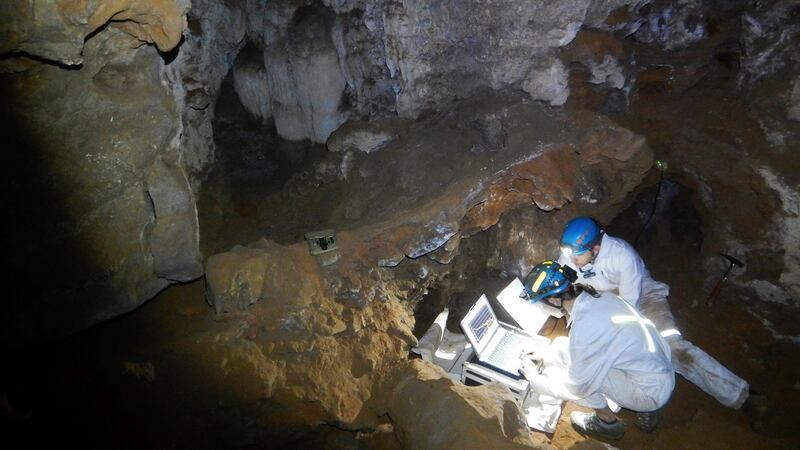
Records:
x=529, y=368
x=538, y=383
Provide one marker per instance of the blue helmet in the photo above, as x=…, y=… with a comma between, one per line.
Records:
x=547, y=279
x=580, y=235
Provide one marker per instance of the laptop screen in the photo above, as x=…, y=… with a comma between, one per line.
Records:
x=481, y=323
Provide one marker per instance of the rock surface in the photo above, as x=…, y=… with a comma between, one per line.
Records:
x=57, y=31
x=429, y=410
x=770, y=80
x=388, y=57
x=406, y=213
x=771, y=69
x=156, y=67
x=103, y=197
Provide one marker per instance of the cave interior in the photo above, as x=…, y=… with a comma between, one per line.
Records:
x=173, y=162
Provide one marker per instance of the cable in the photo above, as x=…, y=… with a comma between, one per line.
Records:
x=662, y=167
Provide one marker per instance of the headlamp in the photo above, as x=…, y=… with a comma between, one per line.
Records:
x=567, y=251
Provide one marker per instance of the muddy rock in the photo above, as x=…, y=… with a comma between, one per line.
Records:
x=592, y=44
x=429, y=410
x=318, y=349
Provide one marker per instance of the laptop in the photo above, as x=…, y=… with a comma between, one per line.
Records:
x=495, y=343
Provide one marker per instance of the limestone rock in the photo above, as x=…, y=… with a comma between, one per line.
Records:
x=675, y=25
x=175, y=235
x=365, y=137
x=401, y=58
x=158, y=21
x=429, y=410
x=251, y=85
x=111, y=246
x=769, y=32
x=793, y=110
x=215, y=34
x=770, y=66
x=548, y=82
x=608, y=72
x=305, y=79
x=56, y=31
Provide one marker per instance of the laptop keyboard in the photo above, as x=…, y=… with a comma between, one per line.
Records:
x=509, y=346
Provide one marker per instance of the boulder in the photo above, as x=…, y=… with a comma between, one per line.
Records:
x=429, y=410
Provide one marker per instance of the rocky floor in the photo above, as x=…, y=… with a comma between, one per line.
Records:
x=141, y=381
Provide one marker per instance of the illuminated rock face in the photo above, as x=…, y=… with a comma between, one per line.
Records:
x=102, y=197
x=337, y=335
x=56, y=31
x=113, y=103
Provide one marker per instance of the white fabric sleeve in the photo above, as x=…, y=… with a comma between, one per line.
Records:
x=556, y=380
x=550, y=386
x=631, y=270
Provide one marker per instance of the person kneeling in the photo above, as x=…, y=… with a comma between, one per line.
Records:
x=612, y=353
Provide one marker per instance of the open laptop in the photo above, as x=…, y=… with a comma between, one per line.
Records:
x=495, y=343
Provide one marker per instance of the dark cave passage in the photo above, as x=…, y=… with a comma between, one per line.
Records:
x=261, y=185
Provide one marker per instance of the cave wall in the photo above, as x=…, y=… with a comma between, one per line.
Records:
x=326, y=62
x=104, y=214
x=113, y=103
x=769, y=80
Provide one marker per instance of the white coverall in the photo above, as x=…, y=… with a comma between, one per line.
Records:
x=619, y=268
x=611, y=352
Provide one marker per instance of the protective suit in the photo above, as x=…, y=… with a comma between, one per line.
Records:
x=618, y=268
x=612, y=352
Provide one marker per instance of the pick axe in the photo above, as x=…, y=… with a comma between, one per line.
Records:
x=732, y=262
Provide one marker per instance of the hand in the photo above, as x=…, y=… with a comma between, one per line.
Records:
x=529, y=368
x=537, y=354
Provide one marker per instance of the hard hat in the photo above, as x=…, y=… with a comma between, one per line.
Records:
x=580, y=235
x=547, y=279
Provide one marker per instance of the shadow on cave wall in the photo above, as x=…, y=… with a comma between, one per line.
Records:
x=41, y=259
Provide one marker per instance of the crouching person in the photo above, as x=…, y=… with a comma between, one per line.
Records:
x=612, y=353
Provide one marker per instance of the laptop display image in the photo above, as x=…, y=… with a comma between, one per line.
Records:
x=496, y=344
